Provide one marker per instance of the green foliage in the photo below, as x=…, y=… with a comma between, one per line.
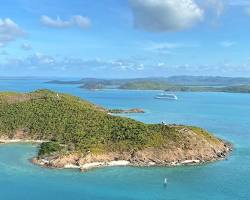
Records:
x=76, y=124
x=204, y=134
x=48, y=148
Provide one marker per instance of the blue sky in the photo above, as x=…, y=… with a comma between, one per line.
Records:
x=124, y=38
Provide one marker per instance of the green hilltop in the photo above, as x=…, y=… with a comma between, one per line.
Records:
x=75, y=125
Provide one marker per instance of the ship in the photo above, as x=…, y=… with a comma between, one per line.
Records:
x=166, y=96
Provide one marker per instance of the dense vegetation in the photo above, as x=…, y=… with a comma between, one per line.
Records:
x=76, y=125
x=49, y=147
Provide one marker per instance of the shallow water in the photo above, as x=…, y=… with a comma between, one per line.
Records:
x=226, y=115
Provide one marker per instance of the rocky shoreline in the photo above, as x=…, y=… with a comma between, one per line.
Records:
x=144, y=158
x=196, y=150
x=135, y=159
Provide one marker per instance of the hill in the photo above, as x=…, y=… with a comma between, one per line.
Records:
x=80, y=132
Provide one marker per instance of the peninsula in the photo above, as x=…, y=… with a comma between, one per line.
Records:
x=79, y=134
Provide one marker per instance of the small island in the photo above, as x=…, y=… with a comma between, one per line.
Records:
x=75, y=133
x=126, y=111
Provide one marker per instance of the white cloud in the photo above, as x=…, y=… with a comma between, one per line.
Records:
x=83, y=22
x=77, y=20
x=41, y=59
x=165, y=15
x=9, y=31
x=26, y=46
x=55, y=23
x=227, y=43
x=33, y=61
x=40, y=62
x=169, y=45
x=165, y=46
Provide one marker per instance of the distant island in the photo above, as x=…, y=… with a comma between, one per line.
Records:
x=125, y=111
x=75, y=133
x=172, y=84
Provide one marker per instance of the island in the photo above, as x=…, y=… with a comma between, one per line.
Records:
x=126, y=111
x=75, y=133
x=183, y=88
x=171, y=84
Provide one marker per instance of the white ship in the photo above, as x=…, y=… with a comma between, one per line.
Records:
x=166, y=96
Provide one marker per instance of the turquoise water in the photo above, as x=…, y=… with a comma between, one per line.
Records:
x=226, y=115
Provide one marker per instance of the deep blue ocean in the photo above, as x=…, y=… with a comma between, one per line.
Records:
x=226, y=115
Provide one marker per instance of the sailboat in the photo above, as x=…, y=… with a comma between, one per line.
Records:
x=165, y=181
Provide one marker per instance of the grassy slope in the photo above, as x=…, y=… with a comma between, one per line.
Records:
x=77, y=125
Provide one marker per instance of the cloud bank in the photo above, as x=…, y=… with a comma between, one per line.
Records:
x=43, y=64
x=165, y=15
x=9, y=31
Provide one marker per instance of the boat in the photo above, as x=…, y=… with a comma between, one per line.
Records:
x=166, y=96
x=165, y=182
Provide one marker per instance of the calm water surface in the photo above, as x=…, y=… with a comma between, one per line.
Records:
x=226, y=115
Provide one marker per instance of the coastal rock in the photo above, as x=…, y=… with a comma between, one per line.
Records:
x=204, y=152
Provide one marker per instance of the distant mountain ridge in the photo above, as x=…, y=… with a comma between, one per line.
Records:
x=173, y=83
x=180, y=80
x=208, y=80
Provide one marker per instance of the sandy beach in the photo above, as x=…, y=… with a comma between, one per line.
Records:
x=7, y=141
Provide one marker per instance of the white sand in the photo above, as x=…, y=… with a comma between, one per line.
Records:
x=93, y=165
x=6, y=141
x=119, y=163
x=71, y=166
x=190, y=161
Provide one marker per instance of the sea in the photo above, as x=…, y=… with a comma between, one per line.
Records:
x=225, y=115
